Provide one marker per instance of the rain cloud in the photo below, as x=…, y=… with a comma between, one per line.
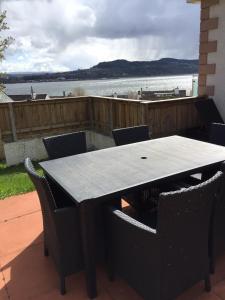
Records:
x=58, y=35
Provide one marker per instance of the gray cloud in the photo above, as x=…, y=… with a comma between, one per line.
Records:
x=93, y=30
x=136, y=18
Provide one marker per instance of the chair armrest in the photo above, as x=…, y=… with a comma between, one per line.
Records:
x=133, y=247
x=69, y=210
x=126, y=229
x=133, y=222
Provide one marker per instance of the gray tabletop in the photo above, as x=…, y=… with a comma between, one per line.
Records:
x=113, y=170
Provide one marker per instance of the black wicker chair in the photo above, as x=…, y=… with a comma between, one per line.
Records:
x=208, y=112
x=161, y=257
x=129, y=135
x=65, y=144
x=61, y=228
x=217, y=134
x=123, y=136
x=217, y=236
x=217, y=137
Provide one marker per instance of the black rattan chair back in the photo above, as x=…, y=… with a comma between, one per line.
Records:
x=129, y=135
x=217, y=246
x=208, y=111
x=161, y=263
x=44, y=192
x=65, y=144
x=61, y=228
x=184, y=225
x=217, y=134
x=46, y=198
x=217, y=238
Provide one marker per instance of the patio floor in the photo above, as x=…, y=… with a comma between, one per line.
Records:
x=27, y=274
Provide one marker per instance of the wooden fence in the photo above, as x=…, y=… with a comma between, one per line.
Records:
x=164, y=117
x=109, y=113
x=24, y=120
x=167, y=117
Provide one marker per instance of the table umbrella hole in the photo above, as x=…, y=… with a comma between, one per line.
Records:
x=144, y=157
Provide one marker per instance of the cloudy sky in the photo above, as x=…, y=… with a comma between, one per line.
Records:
x=60, y=35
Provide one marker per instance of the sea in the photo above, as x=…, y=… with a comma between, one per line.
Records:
x=105, y=87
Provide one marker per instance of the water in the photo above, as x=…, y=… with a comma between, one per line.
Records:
x=104, y=87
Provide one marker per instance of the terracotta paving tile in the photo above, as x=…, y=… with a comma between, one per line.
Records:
x=54, y=294
x=208, y=296
x=124, y=203
x=3, y=291
x=3, y=294
x=32, y=276
x=27, y=274
x=118, y=289
x=194, y=293
x=219, y=289
x=220, y=270
x=19, y=233
x=20, y=205
x=76, y=289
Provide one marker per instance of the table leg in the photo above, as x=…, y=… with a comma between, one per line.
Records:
x=89, y=249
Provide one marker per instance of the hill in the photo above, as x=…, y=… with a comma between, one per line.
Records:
x=116, y=69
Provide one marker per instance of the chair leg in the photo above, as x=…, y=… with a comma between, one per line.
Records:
x=46, y=253
x=212, y=249
x=110, y=271
x=207, y=283
x=212, y=265
x=62, y=285
x=108, y=242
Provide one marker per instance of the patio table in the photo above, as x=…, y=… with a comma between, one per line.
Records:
x=99, y=176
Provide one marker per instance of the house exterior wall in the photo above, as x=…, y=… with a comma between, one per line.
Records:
x=217, y=80
x=212, y=52
x=208, y=46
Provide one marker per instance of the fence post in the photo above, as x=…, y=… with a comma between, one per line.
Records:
x=143, y=113
x=12, y=121
x=2, y=154
x=91, y=113
x=111, y=116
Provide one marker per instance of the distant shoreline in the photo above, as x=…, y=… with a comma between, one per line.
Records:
x=101, y=79
x=105, y=86
x=116, y=69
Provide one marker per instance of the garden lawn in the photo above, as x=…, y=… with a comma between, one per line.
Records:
x=14, y=180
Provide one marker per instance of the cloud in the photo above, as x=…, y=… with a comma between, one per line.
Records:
x=79, y=33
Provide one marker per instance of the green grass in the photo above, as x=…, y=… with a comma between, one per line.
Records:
x=14, y=180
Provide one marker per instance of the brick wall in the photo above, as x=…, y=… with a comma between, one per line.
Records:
x=207, y=46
